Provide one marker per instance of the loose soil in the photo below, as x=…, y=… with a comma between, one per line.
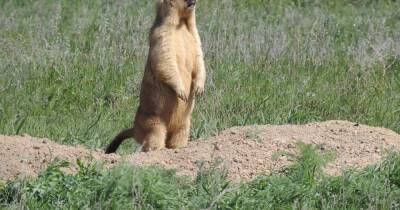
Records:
x=245, y=151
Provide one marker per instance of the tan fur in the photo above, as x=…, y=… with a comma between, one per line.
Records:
x=174, y=73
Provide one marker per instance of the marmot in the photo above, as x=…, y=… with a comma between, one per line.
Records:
x=173, y=75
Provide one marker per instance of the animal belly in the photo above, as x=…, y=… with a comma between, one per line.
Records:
x=159, y=101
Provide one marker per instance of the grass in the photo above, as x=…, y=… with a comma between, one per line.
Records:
x=302, y=185
x=70, y=70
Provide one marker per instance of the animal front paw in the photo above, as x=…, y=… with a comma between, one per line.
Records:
x=198, y=89
x=182, y=95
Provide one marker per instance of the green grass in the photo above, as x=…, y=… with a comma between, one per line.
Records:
x=300, y=186
x=70, y=70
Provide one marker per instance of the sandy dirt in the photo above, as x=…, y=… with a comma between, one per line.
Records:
x=245, y=151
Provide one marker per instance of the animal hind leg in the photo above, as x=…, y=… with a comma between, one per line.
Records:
x=154, y=138
x=179, y=138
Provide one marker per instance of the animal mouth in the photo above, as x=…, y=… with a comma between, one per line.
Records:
x=191, y=4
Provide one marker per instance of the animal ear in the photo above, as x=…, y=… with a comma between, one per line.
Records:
x=169, y=2
x=166, y=2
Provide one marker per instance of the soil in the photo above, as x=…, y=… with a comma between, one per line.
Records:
x=245, y=151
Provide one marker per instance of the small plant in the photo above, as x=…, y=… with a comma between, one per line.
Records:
x=308, y=164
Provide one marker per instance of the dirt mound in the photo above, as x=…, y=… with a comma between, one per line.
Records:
x=246, y=151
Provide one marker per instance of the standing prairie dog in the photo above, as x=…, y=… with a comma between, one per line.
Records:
x=174, y=74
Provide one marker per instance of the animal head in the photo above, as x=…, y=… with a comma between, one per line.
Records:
x=182, y=6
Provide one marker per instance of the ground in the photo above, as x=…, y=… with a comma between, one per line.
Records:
x=246, y=151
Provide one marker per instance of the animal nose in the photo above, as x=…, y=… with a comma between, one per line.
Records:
x=191, y=2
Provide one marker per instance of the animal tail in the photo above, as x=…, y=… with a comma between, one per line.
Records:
x=125, y=134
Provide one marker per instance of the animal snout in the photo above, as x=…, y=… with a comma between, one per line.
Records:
x=191, y=3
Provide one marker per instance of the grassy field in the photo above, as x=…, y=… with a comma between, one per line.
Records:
x=70, y=70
